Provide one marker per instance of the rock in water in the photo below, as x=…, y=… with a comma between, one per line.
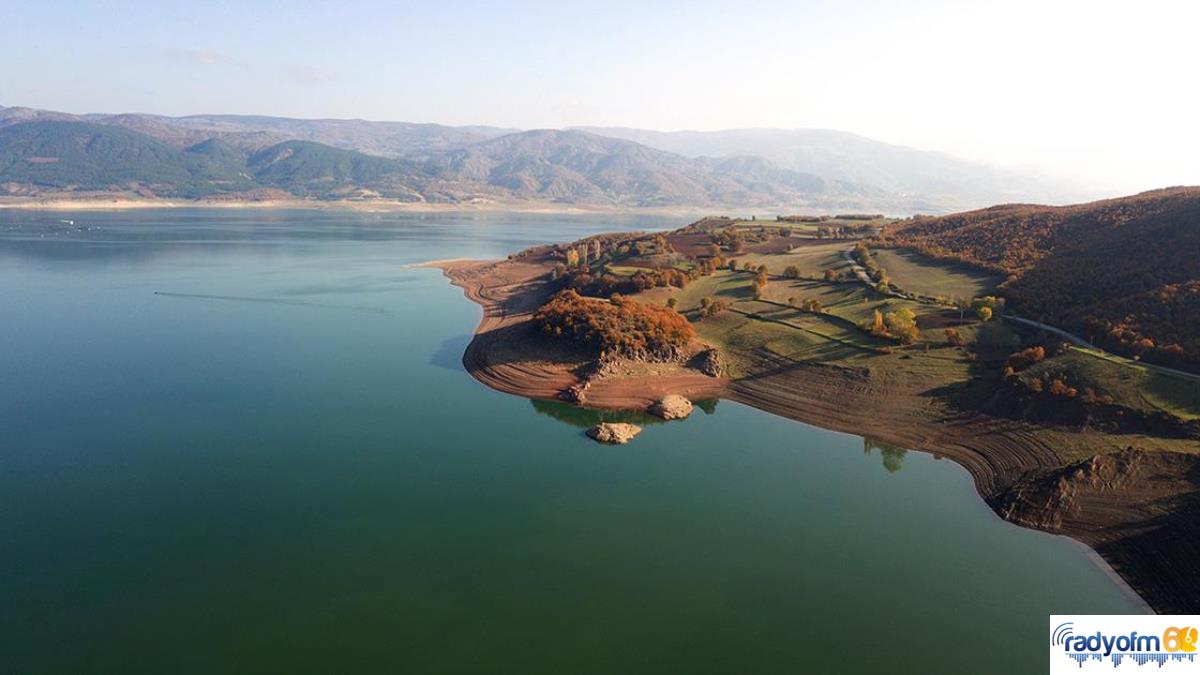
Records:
x=672, y=407
x=614, y=432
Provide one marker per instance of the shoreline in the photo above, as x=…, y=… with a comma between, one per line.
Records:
x=1012, y=463
x=380, y=206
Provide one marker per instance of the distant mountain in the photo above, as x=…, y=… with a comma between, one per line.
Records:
x=82, y=156
x=573, y=166
x=568, y=167
x=386, y=139
x=255, y=132
x=941, y=181
x=860, y=171
x=311, y=169
x=1122, y=272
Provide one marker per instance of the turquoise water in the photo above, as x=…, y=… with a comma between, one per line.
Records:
x=242, y=441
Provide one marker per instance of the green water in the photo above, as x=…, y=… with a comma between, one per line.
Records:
x=277, y=465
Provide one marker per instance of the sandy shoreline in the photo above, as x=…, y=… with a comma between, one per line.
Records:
x=1011, y=462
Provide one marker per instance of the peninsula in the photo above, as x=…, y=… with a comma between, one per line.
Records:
x=901, y=332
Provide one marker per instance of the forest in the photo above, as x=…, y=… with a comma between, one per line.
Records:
x=1121, y=273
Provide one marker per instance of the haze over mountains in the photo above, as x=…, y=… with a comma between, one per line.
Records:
x=45, y=153
x=838, y=155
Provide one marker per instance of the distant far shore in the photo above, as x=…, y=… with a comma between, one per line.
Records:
x=376, y=206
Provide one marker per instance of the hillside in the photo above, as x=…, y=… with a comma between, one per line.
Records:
x=82, y=156
x=312, y=169
x=386, y=139
x=1123, y=273
x=572, y=166
x=567, y=167
x=938, y=182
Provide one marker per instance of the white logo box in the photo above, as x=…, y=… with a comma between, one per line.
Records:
x=1106, y=643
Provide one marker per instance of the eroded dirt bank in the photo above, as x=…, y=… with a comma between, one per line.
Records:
x=1138, y=507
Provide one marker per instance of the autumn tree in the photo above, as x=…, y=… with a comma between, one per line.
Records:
x=877, y=326
x=902, y=324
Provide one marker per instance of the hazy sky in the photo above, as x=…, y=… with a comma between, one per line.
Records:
x=1097, y=90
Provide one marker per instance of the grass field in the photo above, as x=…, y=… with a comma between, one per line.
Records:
x=917, y=273
x=724, y=284
x=810, y=259
x=1127, y=384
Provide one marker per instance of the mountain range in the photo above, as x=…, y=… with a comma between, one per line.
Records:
x=47, y=152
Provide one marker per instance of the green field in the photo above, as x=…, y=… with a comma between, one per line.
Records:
x=810, y=259
x=1127, y=383
x=733, y=286
x=913, y=272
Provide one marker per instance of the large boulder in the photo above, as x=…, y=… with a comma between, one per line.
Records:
x=709, y=363
x=576, y=393
x=672, y=407
x=617, y=433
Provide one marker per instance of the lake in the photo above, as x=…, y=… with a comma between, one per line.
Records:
x=243, y=441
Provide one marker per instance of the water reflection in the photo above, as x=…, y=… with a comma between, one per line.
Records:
x=892, y=455
x=586, y=417
x=449, y=353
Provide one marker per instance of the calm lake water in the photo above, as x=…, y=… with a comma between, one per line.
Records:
x=242, y=441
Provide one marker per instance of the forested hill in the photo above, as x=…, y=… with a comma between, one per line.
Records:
x=1124, y=273
x=568, y=167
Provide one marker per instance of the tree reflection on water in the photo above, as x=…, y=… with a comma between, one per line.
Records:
x=892, y=455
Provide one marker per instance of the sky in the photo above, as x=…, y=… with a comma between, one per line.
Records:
x=1100, y=92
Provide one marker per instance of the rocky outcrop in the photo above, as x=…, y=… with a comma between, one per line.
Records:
x=672, y=407
x=1046, y=501
x=576, y=393
x=708, y=362
x=617, y=433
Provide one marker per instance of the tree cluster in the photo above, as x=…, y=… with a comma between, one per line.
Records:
x=620, y=326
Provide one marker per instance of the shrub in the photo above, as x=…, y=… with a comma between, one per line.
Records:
x=1026, y=357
